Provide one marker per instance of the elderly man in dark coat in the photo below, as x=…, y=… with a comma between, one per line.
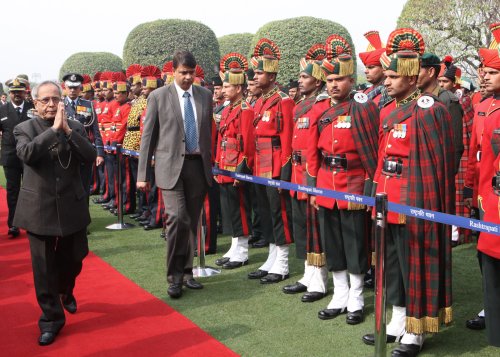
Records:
x=52, y=204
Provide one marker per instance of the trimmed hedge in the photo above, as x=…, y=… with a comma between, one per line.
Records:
x=90, y=63
x=236, y=42
x=294, y=37
x=155, y=43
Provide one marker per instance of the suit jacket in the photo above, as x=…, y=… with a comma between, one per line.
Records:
x=52, y=200
x=164, y=135
x=8, y=120
x=86, y=115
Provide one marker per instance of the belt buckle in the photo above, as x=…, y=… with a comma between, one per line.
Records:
x=478, y=156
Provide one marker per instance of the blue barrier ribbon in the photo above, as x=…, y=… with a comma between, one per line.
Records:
x=420, y=213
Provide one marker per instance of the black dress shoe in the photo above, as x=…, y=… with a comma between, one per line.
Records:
x=13, y=231
x=100, y=201
x=175, y=290
x=355, y=317
x=369, y=339
x=454, y=243
x=142, y=217
x=234, y=265
x=257, y=274
x=253, y=239
x=406, y=350
x=477, y=323
x=221, y=261
x=261, y=243
x=328, y=314
x=163, y=235
x=149, y=227
x=69, y=303
x=312, y=296
x=46, y=338
x=144, y=223
x=294, y=288
x=193, y=284
x=135, y=215
x=272, y=278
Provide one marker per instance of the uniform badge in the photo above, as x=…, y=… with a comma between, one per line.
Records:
x=360, y=97
x=459, y=93
x=343, y=122
x=4, y=118
x=117, y=112
x=105, y=110
x=267, y=115
x=303, y=123
x=98, y=110
x=425, y=102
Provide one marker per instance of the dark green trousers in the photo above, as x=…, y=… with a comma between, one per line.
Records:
x=343, y=234
x=236, y=205
x=396, y=264
x=299, y=227
x=491, y=287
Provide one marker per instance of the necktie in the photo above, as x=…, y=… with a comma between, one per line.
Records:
x=19, y=111
x=73, y=105
x=189, y=124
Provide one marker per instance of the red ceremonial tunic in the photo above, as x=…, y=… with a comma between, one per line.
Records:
x=107, y=113
x=375, y=99
x=273, y=124
x=235, y=142
x=394, y=145
x=119, y=123
x=475, y=151
x=300, y=139
x=490, y=166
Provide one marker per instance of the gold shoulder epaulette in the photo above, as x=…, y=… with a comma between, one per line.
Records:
x=244, y=105
x=283, y=95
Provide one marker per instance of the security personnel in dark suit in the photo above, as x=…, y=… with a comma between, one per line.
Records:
x=52, y=204
x=83, y=111
x=11, y=114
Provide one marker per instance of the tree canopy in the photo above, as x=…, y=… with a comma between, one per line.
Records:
x=90, y=63
x=156, y=42
x=236, y=42
x=455, y=27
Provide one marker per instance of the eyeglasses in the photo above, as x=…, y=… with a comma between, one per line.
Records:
x=47, y=100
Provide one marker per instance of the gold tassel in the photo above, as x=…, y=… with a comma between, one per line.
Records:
x=270, y=65
x=316, y=259
x=267, y=174
x=355, y=206
x=428, y=324
x=230, y=168
x=401, y=217
x=346, y=68
x=374, y=259
x=408, y=66
x=318, y=73
x=236, y=78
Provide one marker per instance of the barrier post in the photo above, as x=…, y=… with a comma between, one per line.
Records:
x=380, y=289
x=119, y=204
x=201, y=270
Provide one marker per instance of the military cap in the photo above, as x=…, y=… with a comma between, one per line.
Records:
x=17, y=84
x=266, y=56
x=216, y=81
x=374, y=51
x=250, y=74
x=311, y=63
x=151, y=77
x=430, y=60
x=232, y=69
x=120, y=83
x=339, y=60
x=133, y=73
x=403, y=50
x=87, y=84
x=490, y=57
x=73, y=79
x=449, y=70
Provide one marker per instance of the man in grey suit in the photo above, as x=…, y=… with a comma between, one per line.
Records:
x=52, y=204
x=177, y=131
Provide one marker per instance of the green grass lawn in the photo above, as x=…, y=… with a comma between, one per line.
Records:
x=259, y=320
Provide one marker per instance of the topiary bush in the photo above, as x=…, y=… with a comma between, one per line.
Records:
x=155, y=43
x=90, y=63
x=294, y=37
x=236, y=42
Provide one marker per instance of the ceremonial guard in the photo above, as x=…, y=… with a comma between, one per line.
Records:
x=87, y=89
x=235, y=153
x=273, y=124
x=11, y=114
x=83, y=110
x=342, y=156
x=308, y=245
x=416, y=167
x=489, y=190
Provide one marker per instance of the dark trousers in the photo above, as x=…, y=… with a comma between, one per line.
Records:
x=396, y=264
x=257, y=230
x=56, y=262
x=139, y=195
x=155, y=203
x=128, y=184
x=86, y=176
x=13, y=177
x=343, y=234
x=212, y=208
x=110, y=164
x=101, y=179
x=183, y=204
x=236, y=205
x=491, y=287
x=300, y=227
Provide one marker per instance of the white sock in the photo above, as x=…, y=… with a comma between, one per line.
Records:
x=318, y=279
x=240, y=254
x=270, y=258
x=308, y=274
x=398, y=321
x=234, y=243
x=280, y=265
x=340, y=290
x=356, y=300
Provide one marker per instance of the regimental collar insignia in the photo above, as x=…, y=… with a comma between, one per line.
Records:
x=425, y=102
x=360, y=97
x=73, y=78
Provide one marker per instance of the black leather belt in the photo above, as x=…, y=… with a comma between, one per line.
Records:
x=335, y=161
x=495, y=184
x=393, y=166
x=297, y=157
x=133, y=128
x=192, y=156
x=275, y=140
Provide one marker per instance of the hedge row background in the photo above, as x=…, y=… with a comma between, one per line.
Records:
x=90, y=63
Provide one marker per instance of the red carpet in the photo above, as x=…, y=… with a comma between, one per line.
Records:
x=115, y=316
